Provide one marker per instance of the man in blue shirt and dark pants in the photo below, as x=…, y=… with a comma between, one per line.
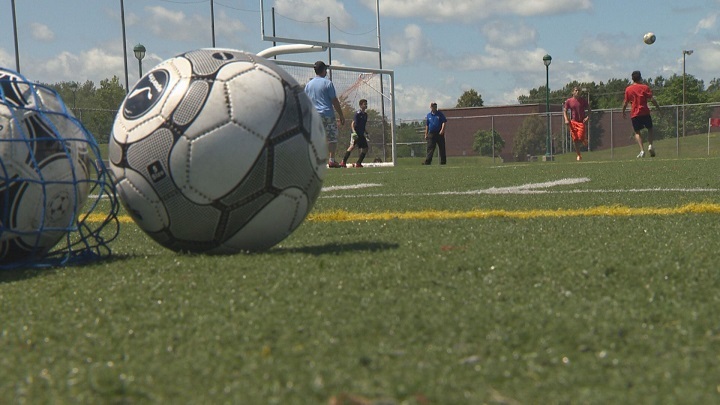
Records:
x=435, y=134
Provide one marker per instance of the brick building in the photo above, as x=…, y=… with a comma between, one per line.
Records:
x=608, y=128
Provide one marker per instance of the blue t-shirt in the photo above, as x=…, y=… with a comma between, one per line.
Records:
x=321, y=92
x=434, y=121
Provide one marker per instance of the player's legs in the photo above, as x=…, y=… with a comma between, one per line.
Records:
x=362, y=145
x=577, y=133
x=441, y=146
x=430, y=149
x=638, y=124
x=331, y=131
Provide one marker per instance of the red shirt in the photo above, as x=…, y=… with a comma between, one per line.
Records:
x=577, y=107
x=638, y=94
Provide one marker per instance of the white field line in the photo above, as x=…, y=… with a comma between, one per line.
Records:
x=530, y=188
x=535, y=188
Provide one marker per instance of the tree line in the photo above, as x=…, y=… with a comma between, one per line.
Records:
x=531, y=137
x=96, y=106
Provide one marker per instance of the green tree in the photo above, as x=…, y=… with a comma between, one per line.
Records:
x=488, y=143
x=408, y=133
x=531, y=138
x=470, y=98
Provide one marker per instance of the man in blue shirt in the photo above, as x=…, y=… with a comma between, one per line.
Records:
x=435, y=134
x=323, y=96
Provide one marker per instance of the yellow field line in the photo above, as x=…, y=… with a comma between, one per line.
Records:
x=608, y=211
x=340, y=216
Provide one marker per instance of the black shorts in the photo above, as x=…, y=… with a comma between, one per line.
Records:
x=361, y=142
x=641, y=121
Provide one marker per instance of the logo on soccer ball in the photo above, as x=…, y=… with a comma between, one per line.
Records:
x=156, y=171
x=224, y=56
x=145, y=94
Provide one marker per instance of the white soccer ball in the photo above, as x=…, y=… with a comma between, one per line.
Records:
x=218, y=151
x=44, y=169
x=649, y=38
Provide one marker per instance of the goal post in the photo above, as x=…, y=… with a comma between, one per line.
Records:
x=351, y=85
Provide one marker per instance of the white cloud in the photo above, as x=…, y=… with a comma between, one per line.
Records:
x=503, y=34
x=176, y=25
x=94, y=64
x=411, y=46
x=314, y=11
x=41, y=32
x=707, y=23
x=473, y=10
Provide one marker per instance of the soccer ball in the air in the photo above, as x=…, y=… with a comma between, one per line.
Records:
x=649, y=38
x=44, y=169
x=218, y=151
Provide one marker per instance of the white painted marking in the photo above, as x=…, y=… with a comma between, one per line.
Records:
x=351, y=187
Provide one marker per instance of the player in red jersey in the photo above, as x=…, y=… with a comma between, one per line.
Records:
x=638, y=94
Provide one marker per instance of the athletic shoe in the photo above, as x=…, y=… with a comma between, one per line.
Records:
x=641, y=154
x=342, y=164
x=579, y=158
x=357, y=165
x=332, y=165
x=652, y=152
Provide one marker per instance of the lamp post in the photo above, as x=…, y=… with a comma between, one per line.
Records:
x=587, y=91
x=546, y=60
x=74, y=88
x=139, y=51
x=688, y=52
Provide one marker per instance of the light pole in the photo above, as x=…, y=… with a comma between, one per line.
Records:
x=587, y=91
x=546, y=60
x=74, y=88
x=139, y=51
x=689, y=52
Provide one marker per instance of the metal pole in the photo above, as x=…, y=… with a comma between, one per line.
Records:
x=17, y=51
x=212, y=21
x=382, y=91
x=683, y=96
x=685, y=52
x=548, y=153
x=122, y=17
x=588, y=122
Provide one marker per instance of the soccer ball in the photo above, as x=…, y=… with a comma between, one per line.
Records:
x=649, y=38
x=44, y=169
x=218, y=151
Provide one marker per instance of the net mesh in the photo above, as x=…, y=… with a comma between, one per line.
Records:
x=57, y=202
x=352, y=85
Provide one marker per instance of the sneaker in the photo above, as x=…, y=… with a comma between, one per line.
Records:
x=641, y=154
x=579, y=158
x=342, y=164
x=357, y=165
x=332, y=165
x=652, y=152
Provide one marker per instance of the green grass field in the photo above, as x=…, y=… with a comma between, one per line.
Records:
x=571, y=283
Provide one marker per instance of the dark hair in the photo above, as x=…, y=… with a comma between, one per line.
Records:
x=362, y=100
x=320, y=67
x=636, y=76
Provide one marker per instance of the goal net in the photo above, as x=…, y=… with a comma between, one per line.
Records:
x=353, y=84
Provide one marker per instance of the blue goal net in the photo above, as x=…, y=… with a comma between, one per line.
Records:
x=57, y=201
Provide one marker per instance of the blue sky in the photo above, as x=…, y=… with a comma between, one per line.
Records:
x=437, y=49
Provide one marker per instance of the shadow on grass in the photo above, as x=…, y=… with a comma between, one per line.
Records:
x=337, y=248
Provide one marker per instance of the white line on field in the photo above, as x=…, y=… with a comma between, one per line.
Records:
x=351, y=187
x=537, y=188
